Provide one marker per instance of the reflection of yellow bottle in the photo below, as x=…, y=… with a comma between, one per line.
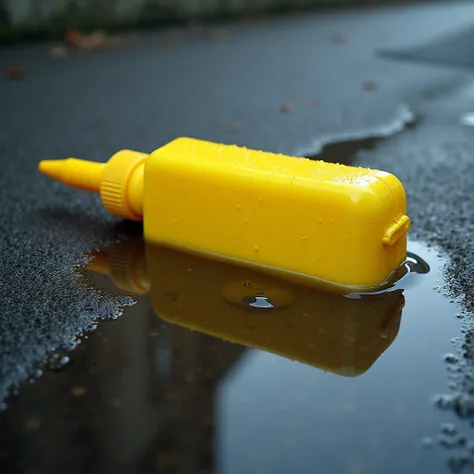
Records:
x=335, y=333
x=341, y=224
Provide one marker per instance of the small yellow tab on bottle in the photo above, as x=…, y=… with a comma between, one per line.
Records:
x=396, y=230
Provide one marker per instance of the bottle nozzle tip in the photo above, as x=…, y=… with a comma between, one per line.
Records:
x=76, y=173
x=51, y=168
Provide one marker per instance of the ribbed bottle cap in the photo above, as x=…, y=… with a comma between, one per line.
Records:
x=115, y=178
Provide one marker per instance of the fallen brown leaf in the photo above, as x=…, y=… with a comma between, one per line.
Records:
x=234, y=127
x=13, y=73
x=79, y=391
x=97, y=40
x=369, y=85
x=74, y=37
x=287, y=108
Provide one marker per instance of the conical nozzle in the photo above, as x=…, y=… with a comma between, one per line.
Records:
x=81, y=174
x=119, y=181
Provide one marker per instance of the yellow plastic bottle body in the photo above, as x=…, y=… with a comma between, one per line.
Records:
x=340, y=224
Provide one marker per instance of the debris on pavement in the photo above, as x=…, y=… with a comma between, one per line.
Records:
x=58, y=52
x=286, y=108
x=369, y=85
x=218, y=35
x=79, y=40
x=13, y=72
x=339, y=39
x=79, y=391
x=96, y=41
x=234, y=127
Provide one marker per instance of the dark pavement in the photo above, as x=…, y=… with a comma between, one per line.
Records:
x=92, y=104
x=452, y=49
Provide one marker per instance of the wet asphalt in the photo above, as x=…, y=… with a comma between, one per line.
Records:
x=184, y=84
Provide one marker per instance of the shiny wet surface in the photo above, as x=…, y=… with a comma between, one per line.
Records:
x=148, y=393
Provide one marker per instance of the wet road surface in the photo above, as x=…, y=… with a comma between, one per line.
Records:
x=141, y=394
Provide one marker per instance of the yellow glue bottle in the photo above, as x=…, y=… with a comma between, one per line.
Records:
x=340, y=224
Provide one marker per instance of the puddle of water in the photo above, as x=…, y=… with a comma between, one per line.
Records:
x=342, y=148
x=343, y=152
x=309, y=379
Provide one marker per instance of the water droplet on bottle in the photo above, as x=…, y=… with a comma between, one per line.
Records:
x=303, y=238
x=256, y=248
x=238, y=206
x=260, y=199
x=320, y=220
x=260, y=302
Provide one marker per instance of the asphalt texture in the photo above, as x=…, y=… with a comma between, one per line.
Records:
x=185, y=84
x=452, y=50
